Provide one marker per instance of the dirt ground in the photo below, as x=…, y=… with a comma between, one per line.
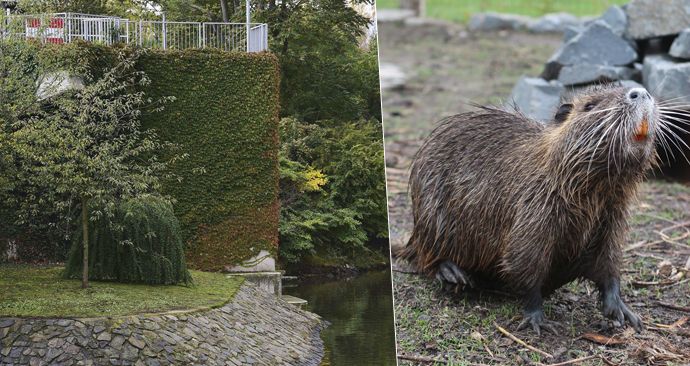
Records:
x=446, y=69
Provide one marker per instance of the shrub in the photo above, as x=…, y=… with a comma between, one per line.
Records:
x=141, y=243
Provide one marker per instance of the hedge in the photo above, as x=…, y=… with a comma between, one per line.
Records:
x=225, y=116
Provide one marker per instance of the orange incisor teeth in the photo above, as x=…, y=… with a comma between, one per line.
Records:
x=642, y=131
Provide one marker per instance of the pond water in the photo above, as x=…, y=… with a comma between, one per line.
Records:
x=360, y=310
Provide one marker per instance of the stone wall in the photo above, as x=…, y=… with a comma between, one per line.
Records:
x=255, y=328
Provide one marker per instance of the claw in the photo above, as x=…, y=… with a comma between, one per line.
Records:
x=537, y=321
x=448, y=272
x=614, y=308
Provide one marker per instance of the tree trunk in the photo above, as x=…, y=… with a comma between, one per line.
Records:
x=417, y=6
x=224, y=10
x=283, y=17
x=85, y=234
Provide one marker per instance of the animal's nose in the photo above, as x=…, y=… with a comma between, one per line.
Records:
x=636, y=94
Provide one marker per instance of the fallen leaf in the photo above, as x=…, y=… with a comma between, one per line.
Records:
x=477, y=336
x=665, y=268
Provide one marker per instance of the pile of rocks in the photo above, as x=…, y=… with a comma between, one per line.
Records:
x=553, y=22
x=639, y=43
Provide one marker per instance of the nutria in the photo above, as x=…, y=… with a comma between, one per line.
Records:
x=534, y=205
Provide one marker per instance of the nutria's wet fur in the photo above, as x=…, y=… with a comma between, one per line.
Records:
x=532, y=205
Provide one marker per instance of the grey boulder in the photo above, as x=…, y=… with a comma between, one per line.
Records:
x=595, y=45
x=571, y=31
x=681, y=45
x=615, y=18
x=587, y=73
x=554, y=22
x=491, y=21
x=56, y=83
x=630, y=84
x=655, y=18
x=537, y=98
x=667, y=79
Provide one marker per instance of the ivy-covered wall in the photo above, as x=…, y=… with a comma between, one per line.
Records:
x=225, y=116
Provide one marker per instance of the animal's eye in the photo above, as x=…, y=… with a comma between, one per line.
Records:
x=563, y=112
x=590, y=106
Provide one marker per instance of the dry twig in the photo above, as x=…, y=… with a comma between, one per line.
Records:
x=664, y=238
x=420, y=358
x=570, y=362
x=521, y=342
x=674, y=307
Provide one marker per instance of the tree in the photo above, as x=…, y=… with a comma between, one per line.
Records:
x=332, y=187
x=89, y=149
x=317, y=43
x=121, y=8
x=224, y=10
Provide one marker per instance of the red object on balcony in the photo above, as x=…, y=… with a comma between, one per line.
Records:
x=53, y=33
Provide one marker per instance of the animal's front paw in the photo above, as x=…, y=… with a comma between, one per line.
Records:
x=450, y=273
x=538, y=321
x=613, y=307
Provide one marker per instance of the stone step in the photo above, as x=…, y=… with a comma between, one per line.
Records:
x=269, y=281
x=300, y=303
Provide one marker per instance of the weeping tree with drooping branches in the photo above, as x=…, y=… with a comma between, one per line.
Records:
x=88, y=150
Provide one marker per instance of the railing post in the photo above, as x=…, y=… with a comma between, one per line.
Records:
x=100, y=30
x=69, y=27
x=141, y=37
x=249, y=17
x=165, y=31
x=201, y=26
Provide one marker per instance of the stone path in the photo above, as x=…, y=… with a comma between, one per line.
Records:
x=255, y=328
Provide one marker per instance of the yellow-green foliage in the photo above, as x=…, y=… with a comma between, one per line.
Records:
x=225, y=116
x=315, y=179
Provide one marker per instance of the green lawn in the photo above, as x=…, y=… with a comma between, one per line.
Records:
x=30, y=291
x=461, y=10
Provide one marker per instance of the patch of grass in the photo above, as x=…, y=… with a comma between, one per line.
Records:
x=31, y=291
x=462, y=10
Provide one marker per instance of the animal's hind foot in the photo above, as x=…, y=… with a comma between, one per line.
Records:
x=537, y=321
x=450, y=274
x=614, y=308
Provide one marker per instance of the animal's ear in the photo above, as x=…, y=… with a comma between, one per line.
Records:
x=563, y=112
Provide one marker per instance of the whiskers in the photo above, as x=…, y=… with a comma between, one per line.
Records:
x=583, y=155
x=674, y=117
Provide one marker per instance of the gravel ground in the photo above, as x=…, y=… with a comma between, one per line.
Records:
x=447, y=68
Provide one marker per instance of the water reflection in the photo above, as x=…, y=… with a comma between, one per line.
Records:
x=360, y=311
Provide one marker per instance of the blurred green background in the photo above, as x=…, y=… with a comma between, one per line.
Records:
x=462, y=10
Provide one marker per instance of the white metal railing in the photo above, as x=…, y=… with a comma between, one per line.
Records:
x=68, y=27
